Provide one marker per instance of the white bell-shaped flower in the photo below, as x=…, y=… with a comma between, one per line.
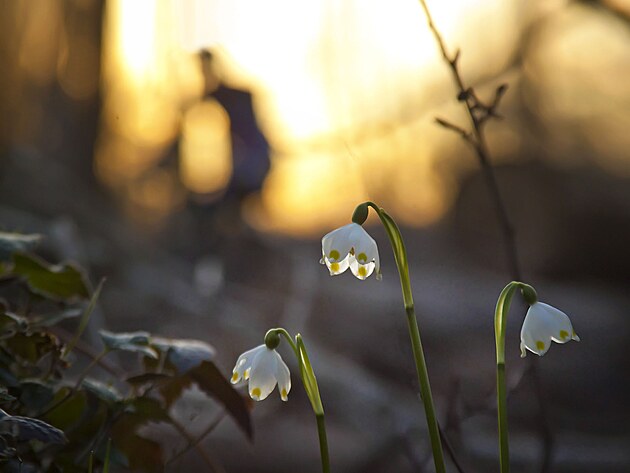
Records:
x=351, y=247
x=263, y=368
x=544, y=323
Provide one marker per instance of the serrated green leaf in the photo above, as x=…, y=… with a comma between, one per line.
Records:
x=212, y=382
x=63, y=282
x=137, y=342
x=184, y=354
x=12, y=242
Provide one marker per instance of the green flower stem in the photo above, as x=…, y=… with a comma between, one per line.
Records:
x=312, y=391
x=400, y=255
x=500, y=324
x=323, y=443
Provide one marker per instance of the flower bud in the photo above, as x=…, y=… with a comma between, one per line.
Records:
x=529, y=294
x=360, y=214
x=272, y=339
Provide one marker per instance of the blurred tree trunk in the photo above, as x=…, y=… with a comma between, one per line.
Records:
x=49, y=87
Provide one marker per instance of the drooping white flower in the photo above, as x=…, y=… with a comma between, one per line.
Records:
x=263, y=368
x=544, y=323
x=351, y=247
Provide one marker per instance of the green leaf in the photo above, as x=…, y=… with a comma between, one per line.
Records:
x=31, y=347
x=147, y=410
x=5, y=396
x=53, y=318
x=12, y=242
x=104, y=392
x=35, y=395
x=27, y=428
x=212, y=382
x=69, y=412
x=10, y=324
x=137, y=342
x=63, y=282
x=184, y=354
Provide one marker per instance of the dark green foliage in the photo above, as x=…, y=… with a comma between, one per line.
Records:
x=57, y=417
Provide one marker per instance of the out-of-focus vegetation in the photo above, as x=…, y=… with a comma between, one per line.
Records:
x=57, y=413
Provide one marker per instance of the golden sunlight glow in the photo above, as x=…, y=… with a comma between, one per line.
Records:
x=344, y=91
x=137, y=29
x=205, y=149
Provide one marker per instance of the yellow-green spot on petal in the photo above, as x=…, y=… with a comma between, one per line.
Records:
x=334, y=267
x=246, y=374
x=563, y=334
x=255, y=393
x=235, y=377
x=334, y=254
x=362, y=257
x=362, y=272
x=283, y=394
x=540, y=345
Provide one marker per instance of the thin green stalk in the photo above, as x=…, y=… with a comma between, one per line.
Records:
x=400, y=255
x=500, y=323
x=85, y=318
x=504, y=447
x=309, y=381
x=323, y=443
x=425, y=391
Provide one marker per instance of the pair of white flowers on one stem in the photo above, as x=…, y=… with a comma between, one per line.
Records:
x=352, y=247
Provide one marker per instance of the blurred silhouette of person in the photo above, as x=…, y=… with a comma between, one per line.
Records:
x=250, y=149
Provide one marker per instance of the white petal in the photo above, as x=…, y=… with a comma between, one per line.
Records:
x=243, y=364
x=262, y=379
x=361, y=271
x=558, y=322
x=336, y=244
x=283, y=376
x=544, y=323
x=337, y=267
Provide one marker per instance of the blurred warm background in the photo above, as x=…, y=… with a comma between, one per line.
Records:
x=115, y=144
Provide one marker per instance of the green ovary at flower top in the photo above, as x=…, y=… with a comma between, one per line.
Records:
x=263, y=367
x=544, y=323
x=351, y=247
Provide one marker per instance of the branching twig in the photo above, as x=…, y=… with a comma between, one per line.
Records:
x=212, y=465
x=213, y=424
x=479, y=113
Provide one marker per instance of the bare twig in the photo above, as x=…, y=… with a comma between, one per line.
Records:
x=466, y=96
x=209, y=461
x=213, y=424
x=478, y=114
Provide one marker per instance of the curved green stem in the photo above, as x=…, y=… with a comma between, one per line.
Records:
x=312, y=390
x=400, y=256
x=500, y=323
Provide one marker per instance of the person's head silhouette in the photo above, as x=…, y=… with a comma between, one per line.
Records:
x=209, y=70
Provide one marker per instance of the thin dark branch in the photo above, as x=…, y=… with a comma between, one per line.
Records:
x=473, y=105
x=468, y=98
x=213, y=424
x=209, y=461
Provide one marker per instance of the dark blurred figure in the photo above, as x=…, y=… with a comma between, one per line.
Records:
x=250, y=150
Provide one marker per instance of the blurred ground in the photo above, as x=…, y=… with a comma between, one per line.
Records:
x=356, y=331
